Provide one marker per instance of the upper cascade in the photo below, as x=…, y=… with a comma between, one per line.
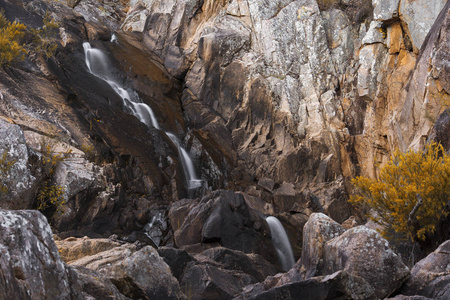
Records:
x=99, y=65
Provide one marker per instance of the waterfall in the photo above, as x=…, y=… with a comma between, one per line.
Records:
x=188, y=165
x=99, y=65
x=281, y=243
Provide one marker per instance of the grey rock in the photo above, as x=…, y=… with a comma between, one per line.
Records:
x=430, y=277
x=30, y=262
x=419, y=16
x=385, y=10
x=364, y=253
x=221, y=217
x=317, y=231
x=18, y=182
x=141, y=273
x=375, y=33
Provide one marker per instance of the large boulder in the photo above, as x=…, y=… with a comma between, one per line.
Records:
x=317, y=231
x=430, y=277
x=221, y=217
x=364, y=253
x=136, y=273
x=30, y=265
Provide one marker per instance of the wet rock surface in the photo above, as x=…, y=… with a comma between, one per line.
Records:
x=224, y=218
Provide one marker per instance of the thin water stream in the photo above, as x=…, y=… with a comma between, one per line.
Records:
x=281, y=243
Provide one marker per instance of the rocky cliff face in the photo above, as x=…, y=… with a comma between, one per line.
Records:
x=279, y=104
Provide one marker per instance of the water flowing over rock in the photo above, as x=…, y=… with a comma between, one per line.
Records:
x=199, y=119
x=281, y=243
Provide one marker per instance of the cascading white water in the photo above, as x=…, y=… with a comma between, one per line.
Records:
x=188, y=165
x=281, y=243
x=99, y=65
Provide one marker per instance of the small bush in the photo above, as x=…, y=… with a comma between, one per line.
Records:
x=44, y=38
x=411, y=193
x=11, y=35
x=6, y=164
x=51, y=195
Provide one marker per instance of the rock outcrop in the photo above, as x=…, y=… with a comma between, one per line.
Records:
x=31, y=268
x=31, y=265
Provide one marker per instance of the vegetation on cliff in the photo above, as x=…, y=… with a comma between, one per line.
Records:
x=13, y=39
x=411, y=192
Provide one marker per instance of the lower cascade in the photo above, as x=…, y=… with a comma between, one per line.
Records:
x=98, y=64
x=281, y=243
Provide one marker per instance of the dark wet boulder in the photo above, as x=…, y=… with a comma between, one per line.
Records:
x=221, y=217
x=176, y=259
x=252, y=264
x=340, y=285
x=205, y=281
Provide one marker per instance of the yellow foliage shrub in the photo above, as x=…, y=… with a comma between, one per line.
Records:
x=10, y=37
x=411, y=192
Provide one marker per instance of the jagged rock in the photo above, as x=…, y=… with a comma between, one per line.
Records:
x=285, y=197
x=72, y=249
x=30, y=263
x=419, y=16
x=222, y=217
x=16, y=169
x=340, y=285
x=385, y=10
x=177, y=259
x=375, y=34
x=364, y=253
x=251, y=264
x=210, y=282
x=430, y=277
x=317, y=231
x=429, y=75
x=76, y=175
x=371, y=59
x=136, y=273
x=441, y=130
